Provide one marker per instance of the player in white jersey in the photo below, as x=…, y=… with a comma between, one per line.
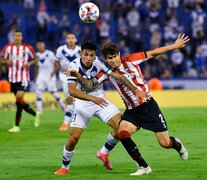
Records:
x=65, y=55
x=89, y=103
x=144, y=111
x=46, y=75
x=17, y=55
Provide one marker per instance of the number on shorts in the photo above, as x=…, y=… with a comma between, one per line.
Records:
x=162, y=120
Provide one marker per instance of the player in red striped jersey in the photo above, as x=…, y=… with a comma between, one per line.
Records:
x=17, y=55
x=144, y=111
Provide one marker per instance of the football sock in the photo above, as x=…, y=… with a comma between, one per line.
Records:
x=67, y=156
x=28, y=109
x=26, y=106
x=58, y=99
x=18, y=113
x=133, y=151
x=109, y=145
x=174, y=144
x=39, y=100
x=68, y=113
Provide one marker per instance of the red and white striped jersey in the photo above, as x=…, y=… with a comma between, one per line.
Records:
x=131, y=70
x=19, y=56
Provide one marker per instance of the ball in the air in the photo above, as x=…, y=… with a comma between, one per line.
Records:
x=88, y=12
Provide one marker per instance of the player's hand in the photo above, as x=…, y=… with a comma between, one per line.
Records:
x=100, y=101
x=9, y=62
x=141, y=94
x=181, y=41
x=27, y=65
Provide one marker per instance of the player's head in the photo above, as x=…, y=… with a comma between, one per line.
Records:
x=88, y=53
x=112, y=54
x=17, y=37
x=40, y=46
x=71, y=39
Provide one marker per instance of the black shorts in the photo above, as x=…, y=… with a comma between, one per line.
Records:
x=147, y=116
x=19, y=86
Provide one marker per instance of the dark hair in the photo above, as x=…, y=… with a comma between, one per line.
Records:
x=17, y=31
x=89, y=46
x=70, y=33
x=110, y=49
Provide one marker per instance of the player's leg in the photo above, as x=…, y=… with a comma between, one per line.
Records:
x=171, y=142
x=69, y=150
x=124, y=134
x=27, y=107
x=16, y=128
x=78, y=123
x=52, y=88
x=39, y=105
x=58, y=99
x=68, y=108
x=111, y=116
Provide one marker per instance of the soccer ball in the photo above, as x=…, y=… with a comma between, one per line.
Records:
x=88, y=12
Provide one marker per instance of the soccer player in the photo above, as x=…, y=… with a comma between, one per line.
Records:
x=17, y=55
x=65, y=55
x=144, y=111
x=46, y=75
x=89, y=103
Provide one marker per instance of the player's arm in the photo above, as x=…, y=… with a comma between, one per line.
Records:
x=123, y=80
x=81, y=95
x=36, y=71
x=33, y=61
x=88, y=84
x=179, y=43
x=5, y=61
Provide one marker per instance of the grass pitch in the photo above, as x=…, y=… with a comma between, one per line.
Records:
x=35, y=153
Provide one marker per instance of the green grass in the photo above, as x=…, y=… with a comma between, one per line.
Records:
x=35, y=153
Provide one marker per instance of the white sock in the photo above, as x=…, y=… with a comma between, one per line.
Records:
x=58, y=99
x=109, y=145
x=39, y=100
x=67, y=156
x=68, y=113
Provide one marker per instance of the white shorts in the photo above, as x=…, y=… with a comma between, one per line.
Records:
x=44, y=83
x=84, y=110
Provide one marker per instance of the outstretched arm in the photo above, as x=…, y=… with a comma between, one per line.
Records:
x=179, y=43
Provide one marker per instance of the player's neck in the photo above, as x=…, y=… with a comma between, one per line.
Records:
x=18, y=44
x=71, y=46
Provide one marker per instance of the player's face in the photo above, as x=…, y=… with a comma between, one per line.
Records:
x=17, y=37
x=41, y=46
x=87, y=57
x=71, y=40
x=114, y=60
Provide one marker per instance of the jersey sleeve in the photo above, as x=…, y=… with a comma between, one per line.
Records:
x=31, y=51
x=58, y=54
x=4, y=52
x=52, y=56
x=135, y=58
x=73, y=65
x=101, y=77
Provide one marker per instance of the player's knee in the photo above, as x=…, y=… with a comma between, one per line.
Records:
x=123, y=134
x=73, y=140
x=20, y=100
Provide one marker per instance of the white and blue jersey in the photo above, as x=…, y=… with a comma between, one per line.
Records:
x=45, y=64
x=65, y=56
x=99, y=65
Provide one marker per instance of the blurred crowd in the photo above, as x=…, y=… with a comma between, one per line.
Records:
x=135, y=25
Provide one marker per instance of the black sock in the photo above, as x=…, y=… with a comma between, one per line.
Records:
x=18, y=114
x=175, y=145
x=28, y=109
x=133, y=151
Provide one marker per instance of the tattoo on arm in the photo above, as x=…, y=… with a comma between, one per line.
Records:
x=123, y=80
